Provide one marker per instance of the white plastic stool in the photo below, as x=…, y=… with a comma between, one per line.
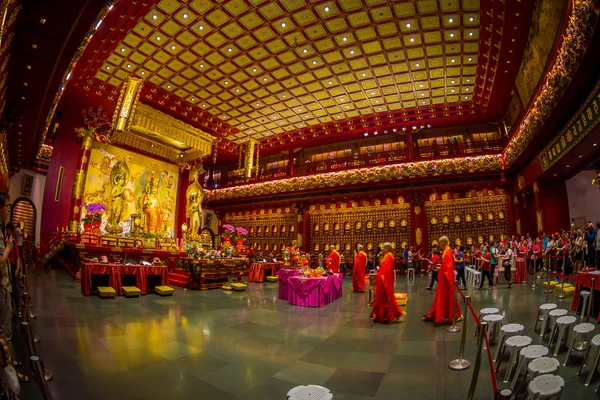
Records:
x=507, y=331
x=514, y=345
x=554, y=315
x=580, y=331
x=543, y=312
x=526, y=355
x=476, y=277
x=494, y=322
x=595, y=343
x=537, y=367
x=482, y=314
x=408, y=272
x=310, y=392
x=563, y=325
x=545, y=387
x=586, y=295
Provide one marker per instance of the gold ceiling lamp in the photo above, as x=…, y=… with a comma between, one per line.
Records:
x=249, y=162
x=596, y=181
x=126, y=105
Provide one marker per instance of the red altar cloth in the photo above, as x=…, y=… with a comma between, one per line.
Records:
x=521, y=275
x=114, y=272
x=256, y=273
x=314, y=292
x=284, y=285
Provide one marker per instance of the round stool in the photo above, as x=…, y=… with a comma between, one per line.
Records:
x=494, y=322
x=545, y=387
x=580, y=331
x=543, y=312
x=595, y=343
x=507, y=331
x=514, y=345
x=554, y=315
x=563, y=326
x=586, y=295
x=482, y=313
x=537, y=367
x=310, y=392
x=526, y=355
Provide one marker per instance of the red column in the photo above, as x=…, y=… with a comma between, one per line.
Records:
x=554, y=206
x=180, y=212
x=291, y=167
x=80, y=177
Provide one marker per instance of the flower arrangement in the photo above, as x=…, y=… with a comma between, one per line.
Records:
x=228, y=251
x=229, y=231
x=95, y=208
x=194, y=250
x=241, y=234
x=213, y=254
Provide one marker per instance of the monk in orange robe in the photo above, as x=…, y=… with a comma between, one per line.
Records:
x=333, y=260
x=385, y=308
x=444, y=300
x=358, y=271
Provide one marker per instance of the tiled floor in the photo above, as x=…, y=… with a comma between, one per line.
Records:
x=249, y=345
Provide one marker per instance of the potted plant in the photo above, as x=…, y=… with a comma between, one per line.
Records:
x=241, y=237
x=96, y=210
x=87, y=222
x=228, y=234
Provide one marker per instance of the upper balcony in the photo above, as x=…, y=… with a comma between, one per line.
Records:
x=338, y=161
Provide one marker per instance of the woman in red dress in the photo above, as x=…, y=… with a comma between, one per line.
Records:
x=443, y=302
x=385, y=308
x=358, y=271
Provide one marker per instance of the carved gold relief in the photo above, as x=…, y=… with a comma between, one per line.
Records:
x=419, y=236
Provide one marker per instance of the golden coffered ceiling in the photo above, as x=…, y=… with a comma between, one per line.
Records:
x=279, y=66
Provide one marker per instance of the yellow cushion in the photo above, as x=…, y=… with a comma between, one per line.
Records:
x=402, y=298
x=272, y=278
x=106, y=292
x=570, y=291
x=238, y=286
x=226, y=287
x=131, y=291
x=552, y=284
x=164, y=290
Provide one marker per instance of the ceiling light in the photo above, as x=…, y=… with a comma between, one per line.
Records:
x=452, y=90
x=283, y=96
x=373, y=93
x=158, y=38
x=128, y=65
x=314, y=62
x=264, y=79
x=193, y=99
x=364, y=74
x=306, y=116
x=351, y=51
x=453, y=82
x=470, y=33
x=470, y=58
x=143, y=72
x=418, y=65
x=469, y=80
x=468, y=89
x=201, y=27
x=283, y=24
x=173, y=47
x=424, y=102
x=429, y=125
x=451, y=20
x=168, y=86
x=580, y=156
x=305, y=51
x=203, y=105
x=107, y=67
x=555, y=174
x=237, y=90
x=471, y=19
x=453, y=60
x=421, y=85
x=408, y=25
x=451, y=34
x=344, y=38
x=329, y=82
x=412, y=39
x=257, y=104
x=122, y=49
x=326, y=9
x=184, y=15
x=154, y=16
x=227, y=82
x=404, y=128
x=229, y=50
x=379, y=108
x=568, y=166
x=595, y=144
x=253, y=69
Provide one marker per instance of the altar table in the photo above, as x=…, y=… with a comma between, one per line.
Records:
x=314, y=292
x=522, y=274
x=256, y=273
x=114, y=272
x=284, y=285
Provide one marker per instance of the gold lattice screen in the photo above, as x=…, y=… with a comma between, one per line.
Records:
x=268, y=231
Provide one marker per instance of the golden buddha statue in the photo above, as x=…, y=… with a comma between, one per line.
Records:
x=151, y=208
x=116, y=196
x=194, y=195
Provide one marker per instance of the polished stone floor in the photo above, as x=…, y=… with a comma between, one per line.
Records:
x=249, y=345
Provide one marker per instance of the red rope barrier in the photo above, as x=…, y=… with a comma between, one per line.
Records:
x=491, y=361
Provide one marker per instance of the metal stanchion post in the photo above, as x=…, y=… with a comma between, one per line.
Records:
x=534, y=272
x=454, y=328
x=477, y=367
x=460, y=363
x=561, y=295
x=589, y=309
x=548, y=290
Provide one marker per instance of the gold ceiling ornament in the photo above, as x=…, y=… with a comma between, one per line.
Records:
x=126, y=105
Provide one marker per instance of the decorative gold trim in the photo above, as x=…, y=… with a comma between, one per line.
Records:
x=126, y=105
x=419, y=236
x=354, y=211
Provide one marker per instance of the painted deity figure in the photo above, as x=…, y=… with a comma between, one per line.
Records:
x=116, y=196
x=151, y=207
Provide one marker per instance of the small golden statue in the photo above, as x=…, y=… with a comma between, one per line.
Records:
x=119, y=175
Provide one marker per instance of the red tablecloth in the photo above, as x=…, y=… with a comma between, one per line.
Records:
x=284, y=285
x=256, y=273
x=114, y=272
x=522, y=275
x=314, y=292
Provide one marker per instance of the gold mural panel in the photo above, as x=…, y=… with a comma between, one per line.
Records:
x=128, y=183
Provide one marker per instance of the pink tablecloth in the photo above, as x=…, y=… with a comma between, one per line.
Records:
x=284, y=286
x=314, y=292
x=256, y=273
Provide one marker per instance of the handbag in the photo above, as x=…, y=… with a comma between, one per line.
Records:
x=506, y=264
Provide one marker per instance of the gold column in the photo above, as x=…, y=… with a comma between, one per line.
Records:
x=80, y=175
